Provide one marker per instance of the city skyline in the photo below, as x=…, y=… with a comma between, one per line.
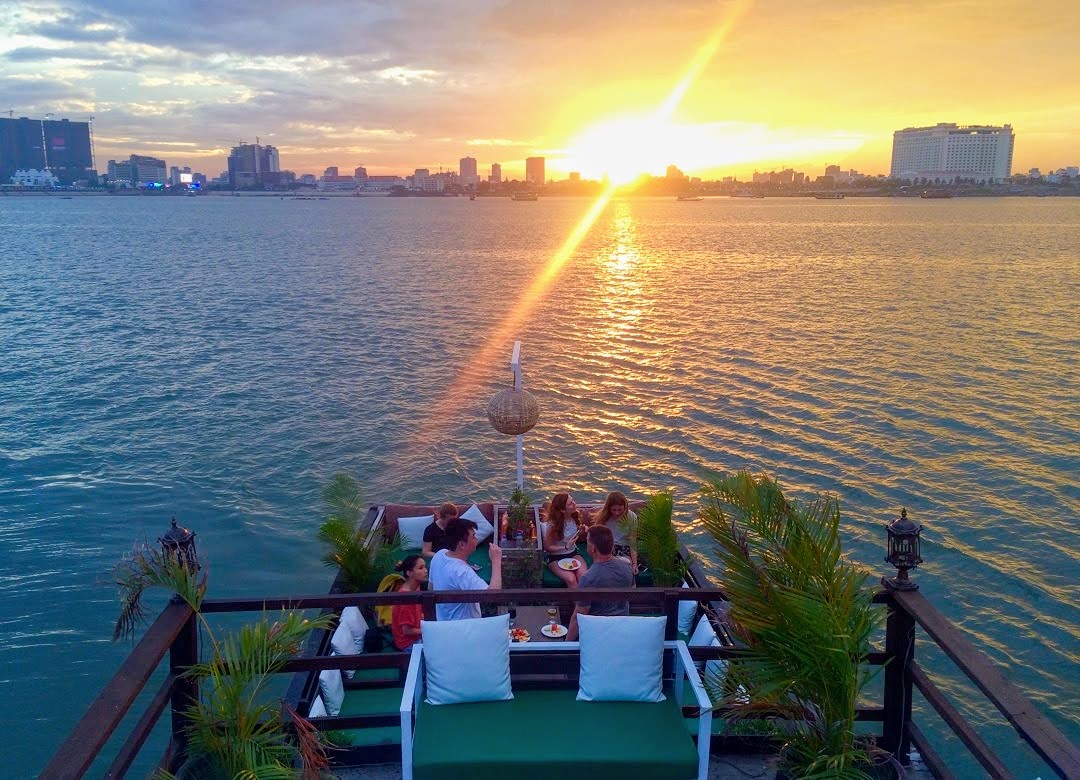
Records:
x=424, y=85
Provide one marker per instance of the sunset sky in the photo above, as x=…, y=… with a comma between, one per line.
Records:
x=406, y=84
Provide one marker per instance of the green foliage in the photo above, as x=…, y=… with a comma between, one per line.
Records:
x=805, y=616
x=518, y=512
x=237, y=729
x=363, y=557
x=657, y=542
x=149, y=567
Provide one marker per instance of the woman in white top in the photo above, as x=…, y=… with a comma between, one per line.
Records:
x=616, y=515
x=561, y=539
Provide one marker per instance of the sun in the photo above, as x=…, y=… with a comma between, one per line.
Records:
x=624, y=148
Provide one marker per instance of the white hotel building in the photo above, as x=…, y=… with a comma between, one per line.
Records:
x=946, y=152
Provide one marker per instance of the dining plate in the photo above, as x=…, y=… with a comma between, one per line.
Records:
x=570, y=564
x=555, y=632
x=519, y=635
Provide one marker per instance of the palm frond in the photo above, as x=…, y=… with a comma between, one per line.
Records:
x=803, y=613
x=148, y=567
x=363, y=561
x=658, y=543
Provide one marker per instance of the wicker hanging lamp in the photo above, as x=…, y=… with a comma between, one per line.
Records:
x=513, y=411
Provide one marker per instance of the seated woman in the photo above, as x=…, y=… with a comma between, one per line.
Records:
x=405, y=618
x=615, y=514
x=561, y=539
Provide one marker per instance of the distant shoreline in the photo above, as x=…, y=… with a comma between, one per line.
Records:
x=62, y=194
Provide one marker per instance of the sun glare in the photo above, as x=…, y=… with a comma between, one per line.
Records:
x=622, y=149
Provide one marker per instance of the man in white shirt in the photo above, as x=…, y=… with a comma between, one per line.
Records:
x=450, y=569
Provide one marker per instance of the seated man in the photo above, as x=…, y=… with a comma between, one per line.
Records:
x=435, y=534
x=450, y=569
x=607, y=571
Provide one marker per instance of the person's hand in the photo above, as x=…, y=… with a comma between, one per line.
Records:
x=495, y=554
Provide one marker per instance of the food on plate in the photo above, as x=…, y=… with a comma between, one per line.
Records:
x=570, y=564
x=519, y=635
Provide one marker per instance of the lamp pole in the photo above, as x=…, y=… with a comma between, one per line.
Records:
x=515, y=366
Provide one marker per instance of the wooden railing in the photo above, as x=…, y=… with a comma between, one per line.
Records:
x=174, y=632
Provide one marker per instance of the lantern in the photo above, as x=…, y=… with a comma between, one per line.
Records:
x=178, y=544
x=513, y=411
x=903, y=551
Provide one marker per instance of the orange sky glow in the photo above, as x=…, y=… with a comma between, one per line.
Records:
x=775, y=83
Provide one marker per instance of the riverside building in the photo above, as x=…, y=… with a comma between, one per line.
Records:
x=534, y=170
x=947, y=152
x=57, y=146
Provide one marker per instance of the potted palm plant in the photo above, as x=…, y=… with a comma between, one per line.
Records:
x=237, y=727
x=803, y=616
x=658, y=544
x=363, y=557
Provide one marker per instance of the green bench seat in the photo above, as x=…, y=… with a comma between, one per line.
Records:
x=371, y=701
x=541, y=734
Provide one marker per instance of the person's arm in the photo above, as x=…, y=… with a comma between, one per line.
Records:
x=581, y=608
x=429, y=536
x=495, y=555
x=427, y=552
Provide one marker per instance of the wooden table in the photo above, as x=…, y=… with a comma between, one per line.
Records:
x=533, y=618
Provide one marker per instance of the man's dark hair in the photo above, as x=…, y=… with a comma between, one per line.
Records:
x=600, y=537
x=457, y=531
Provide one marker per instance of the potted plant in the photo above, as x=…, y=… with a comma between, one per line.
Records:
x=658, y=544
x=519, y=516
x=238, y=727
x=803, y=617
x=363, y=557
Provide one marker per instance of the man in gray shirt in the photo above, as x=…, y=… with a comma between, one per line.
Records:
x=606, y=571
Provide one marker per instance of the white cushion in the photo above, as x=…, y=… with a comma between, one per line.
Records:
x=332, y=689
x=412, y=530
x=705, y=636
x=621, y=658
x=687, y=612
x=317, y=708
x=484, y=529
x=356, y=624
x=467, y=660
x=343, y=644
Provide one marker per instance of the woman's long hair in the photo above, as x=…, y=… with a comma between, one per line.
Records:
x=614, y=498
x=556, y=517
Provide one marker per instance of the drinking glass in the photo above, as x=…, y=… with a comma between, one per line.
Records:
x=553, y=618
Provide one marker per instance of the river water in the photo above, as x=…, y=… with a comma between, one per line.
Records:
x=218, y=359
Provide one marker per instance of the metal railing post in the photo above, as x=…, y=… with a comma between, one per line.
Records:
x=899, y=653
x=183, y=653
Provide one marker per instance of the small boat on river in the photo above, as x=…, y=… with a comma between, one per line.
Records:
x=523, y=196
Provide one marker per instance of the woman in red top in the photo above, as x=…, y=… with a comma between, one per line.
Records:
x=405, y=618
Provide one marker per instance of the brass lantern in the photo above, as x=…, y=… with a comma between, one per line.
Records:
x=178, y=544
x=513, y=411
x=903, y=551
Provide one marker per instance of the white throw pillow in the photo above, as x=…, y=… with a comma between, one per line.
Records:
x=412, y=530
x=484, y=529
x=621, y=658
x=705, y=636
x=343, y=644
x=687, y=613
x=317, y=708
x=467, y=660
x=332, y=689
x=358, y=627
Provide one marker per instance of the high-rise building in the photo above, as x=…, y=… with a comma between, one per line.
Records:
x=248, y=164
x=147, y=170
x=946, y=152
x=360, y=174
x=59, y=146
x=467, y=171
x=331, y=171
x=496, y=174
x=534, y=170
